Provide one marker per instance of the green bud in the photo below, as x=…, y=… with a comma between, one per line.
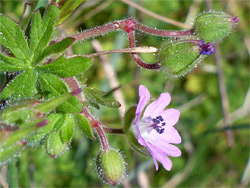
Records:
x=54, y=145
x=110, y=166
x=214, y=26
x=180, y=56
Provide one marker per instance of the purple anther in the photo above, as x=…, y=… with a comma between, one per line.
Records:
x=161, y=131
x=207, y=49
x=42, y=123
x=77, y=91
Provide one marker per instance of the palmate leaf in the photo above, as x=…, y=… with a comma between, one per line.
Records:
x=52, y=86
x=12, y=37
x=94, y=97
x=22, y=86
x=67, y=67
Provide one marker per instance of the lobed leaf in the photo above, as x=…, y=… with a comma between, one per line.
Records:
x=67, y=67
x=12, y=37
x=93, y=96
x=83, y=123
x=22, y=86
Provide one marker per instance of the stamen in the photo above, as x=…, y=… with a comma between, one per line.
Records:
x=156, y=125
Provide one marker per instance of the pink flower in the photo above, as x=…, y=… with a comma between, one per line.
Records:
x=155, y=129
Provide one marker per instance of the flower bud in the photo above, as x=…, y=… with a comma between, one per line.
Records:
x=214, y=26
x=180, y=56
x=54, y=145
x=110, y=166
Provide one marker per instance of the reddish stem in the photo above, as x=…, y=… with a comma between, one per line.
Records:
x=121, y=25
x=98, y=127
x=162, y=33
x=136, y=57
x=73, y=85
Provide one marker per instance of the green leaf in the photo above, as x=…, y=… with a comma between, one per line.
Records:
x=11, y=64
x=93, y=96
x=52, y=86
x=44, y=32
x=67, y=67
x=12, y=37
x=12, y=174
x=54, y=145
x=9, y=152
x=41, y=5
x=35, y=138
x=36, y=24
x=67, y=9
x=83, y=123
x=64, y=121
x=128, y=118
x=56, y=48
x=67, y=129
x=23, y=86
x=26, y=129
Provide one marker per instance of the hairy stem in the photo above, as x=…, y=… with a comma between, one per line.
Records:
x=121, y=25
x=73, y=84
x=136, y=57
x=98, y=127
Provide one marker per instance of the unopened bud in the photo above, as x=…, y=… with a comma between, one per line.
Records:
x=180, y=56
x=110, y=166
x=214, y=26
x=54, y=145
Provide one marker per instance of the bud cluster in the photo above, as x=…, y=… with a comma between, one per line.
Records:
x=179, y=56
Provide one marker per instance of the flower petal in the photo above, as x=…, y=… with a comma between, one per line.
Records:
x=161, y=157
x=156, y=107
x=144, y=97
x=170, y=135
x=169, y=150
x=154, y=159
x=170, y=116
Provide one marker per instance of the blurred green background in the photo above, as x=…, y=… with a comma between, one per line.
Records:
x=207, y=159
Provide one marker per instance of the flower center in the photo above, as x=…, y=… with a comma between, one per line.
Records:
x=159, y=123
